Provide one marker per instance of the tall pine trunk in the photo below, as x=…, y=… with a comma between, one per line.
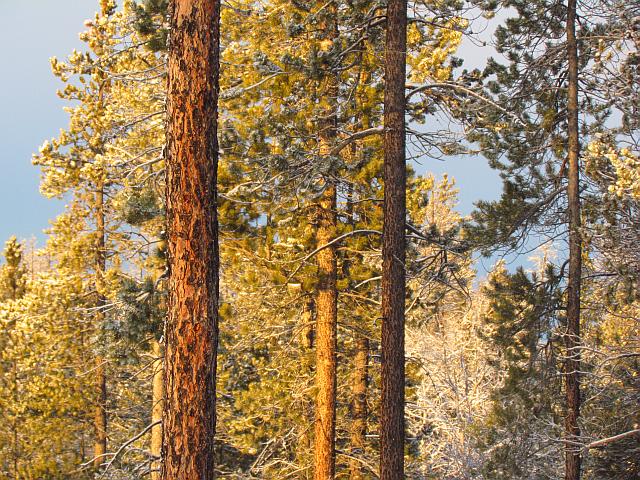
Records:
x=100, y=409
x=157, y=404
x=327, y=292
x=326, y=335
x=572, y=336
x=191, y=194
x=393, y=246
x=326, y=338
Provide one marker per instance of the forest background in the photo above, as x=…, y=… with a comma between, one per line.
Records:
x=489, y=357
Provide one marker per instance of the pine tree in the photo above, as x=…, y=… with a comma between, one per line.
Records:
x=77, y=162
x=300, y=212
x=539, y=156
x=572, y=336
x=40, y=401
x=525, y=333
x=12, y=287
x=326, y=301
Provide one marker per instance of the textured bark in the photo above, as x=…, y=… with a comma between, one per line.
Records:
x=359, y=406
x=191, y=174
x=327, y=292
x=326, y=334
x=156, y=408
x=100, y=409
x=572, y=336
x=393, y=246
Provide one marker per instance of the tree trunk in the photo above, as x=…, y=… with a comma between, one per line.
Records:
x=156, y=409
x=326, y=334
x=327, y=292
x=191, y=195
x=393, y=246
x=359, y=406
x=572, y=336
x=100, y=409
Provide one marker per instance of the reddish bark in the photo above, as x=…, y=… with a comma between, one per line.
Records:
x=191, y=174
x=326, y=335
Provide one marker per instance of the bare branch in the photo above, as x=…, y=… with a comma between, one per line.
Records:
x=615, y=438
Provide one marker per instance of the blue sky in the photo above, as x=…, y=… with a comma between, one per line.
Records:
x=32, y=31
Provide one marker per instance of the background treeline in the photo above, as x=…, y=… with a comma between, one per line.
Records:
x=301, y=86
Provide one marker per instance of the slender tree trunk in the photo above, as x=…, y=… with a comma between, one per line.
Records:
x=191, y=194
x=326, y=335
x=327, y=292
x=572, y=337
x=393, y=246
x=359, y=405
x=100, y=410
x=156, y=408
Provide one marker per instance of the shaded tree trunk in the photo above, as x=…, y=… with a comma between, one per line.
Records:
x=100, y=409
x=359, y=406
x=156, y=408
x=572, y=336
x=393, y=246
x=191, y=194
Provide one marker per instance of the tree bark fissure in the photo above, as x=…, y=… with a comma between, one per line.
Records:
x=192, y=324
